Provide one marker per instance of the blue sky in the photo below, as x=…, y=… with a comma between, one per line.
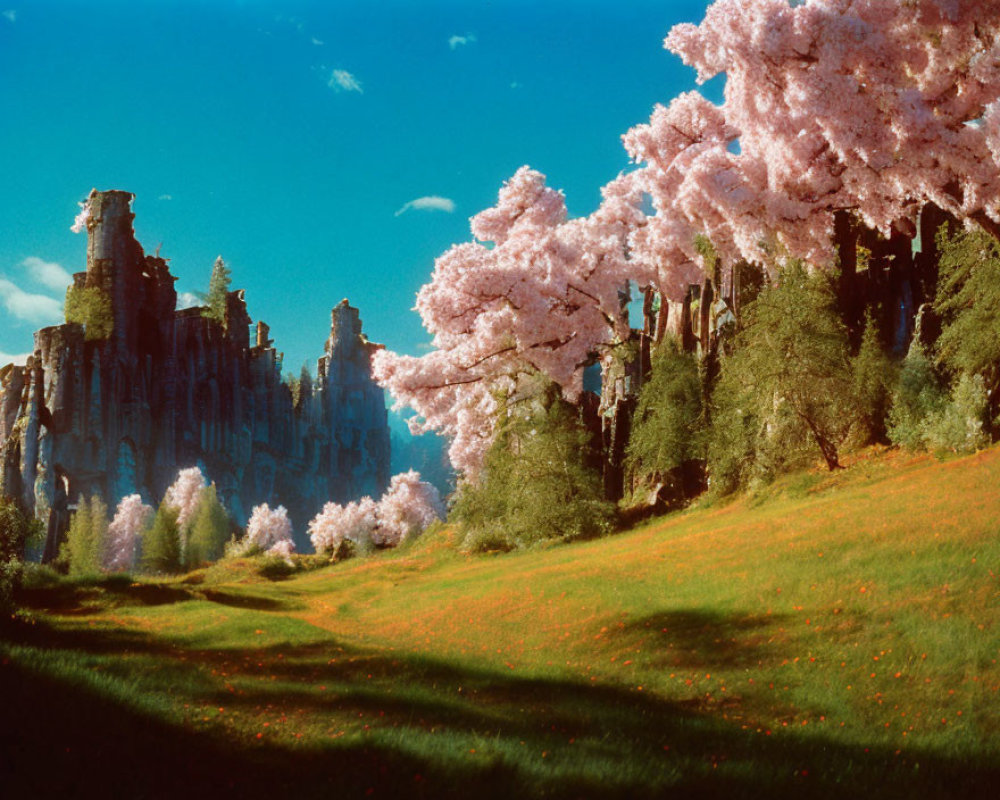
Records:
x=297, y=139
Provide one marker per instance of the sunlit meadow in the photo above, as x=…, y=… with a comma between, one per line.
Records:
x=837, y=634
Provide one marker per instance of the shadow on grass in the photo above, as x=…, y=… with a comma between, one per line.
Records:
x=84, y=598
x=251, y=601
x=699, y=638
x=427, y=716
x=69, y=598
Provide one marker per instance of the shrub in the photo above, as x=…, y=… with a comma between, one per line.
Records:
x=15, y=530
x=276, y=567
x=488, y=540
x=91, y=307
x=11, y=573
x=958, y=427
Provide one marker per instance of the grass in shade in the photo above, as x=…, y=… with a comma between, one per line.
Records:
x=833, y=637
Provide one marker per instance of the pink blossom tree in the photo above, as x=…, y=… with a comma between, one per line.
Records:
x=408, y=506
x=131, y=519
x=872, y=106
x=336, y=523
x=184, y=493
x=267, y=529
x=535, y=294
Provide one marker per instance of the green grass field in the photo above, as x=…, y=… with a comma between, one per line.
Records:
x=837, y=637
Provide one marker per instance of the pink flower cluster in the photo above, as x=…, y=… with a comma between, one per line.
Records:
x=874, y=106
x=406, y=509
x=408, y=506
x=269, y=530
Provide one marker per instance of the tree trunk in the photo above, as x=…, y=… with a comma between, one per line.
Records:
x=705, y=317
x=827, y=448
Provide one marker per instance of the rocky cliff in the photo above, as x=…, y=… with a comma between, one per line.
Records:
x=169, y=389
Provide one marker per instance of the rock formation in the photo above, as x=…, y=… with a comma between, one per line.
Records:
x=170, y=389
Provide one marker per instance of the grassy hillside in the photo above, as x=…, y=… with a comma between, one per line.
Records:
x=838, y=636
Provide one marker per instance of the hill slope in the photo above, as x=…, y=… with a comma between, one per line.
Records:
x=840, y=635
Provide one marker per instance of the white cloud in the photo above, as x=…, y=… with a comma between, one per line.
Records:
x=429, y=203
x=36, y=308
x=188, y=300
x=458, y=41
x=47, y=273
x=7, y=358
x=343, y=81
x=165, y=197
x=10, y=15
x=314, y=40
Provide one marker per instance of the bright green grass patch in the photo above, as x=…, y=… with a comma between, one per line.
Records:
x=836, y=637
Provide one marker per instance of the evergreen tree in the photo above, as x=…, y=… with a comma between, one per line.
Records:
x=871, y=385
x=668, y=426
x=918, y=396
x=734, y=434
x=161, y=544
x=968, y=301
x=218, y=291
x=209, y=529
x=535, y=483
x=786, y=388
x=86, y=540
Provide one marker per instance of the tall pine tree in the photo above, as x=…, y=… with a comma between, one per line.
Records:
x=161, y=545
x=209, y=529
x=218, y=289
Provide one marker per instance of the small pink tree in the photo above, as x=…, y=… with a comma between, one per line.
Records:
x=131, y=518
x=354, y=521
x=268, y=528
x=184, y=493
x=408, y=506
x=406, y=509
